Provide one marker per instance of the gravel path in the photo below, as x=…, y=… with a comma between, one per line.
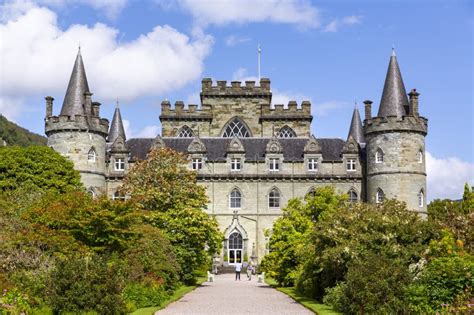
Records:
x=227, y=296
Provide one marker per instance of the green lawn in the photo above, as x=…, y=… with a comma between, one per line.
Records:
x=182, y=290
x=309, y=303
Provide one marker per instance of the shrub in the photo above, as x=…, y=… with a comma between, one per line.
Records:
x=147, y=293
x=86, y=284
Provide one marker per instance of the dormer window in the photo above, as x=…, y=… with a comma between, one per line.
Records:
x=273, y=164
x=196, y=163
x=312, y=164
x=379, y=156
x=91, y=155
x=119, y=164
x=351, y=165
x=235, y=165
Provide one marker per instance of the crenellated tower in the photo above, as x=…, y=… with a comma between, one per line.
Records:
x=395, y=145
x=79, y=132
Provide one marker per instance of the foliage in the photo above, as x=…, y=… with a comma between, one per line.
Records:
x=16, y=135
x=291, y=233
x=36, y=167
x=355, y=231
x=164, y=187
x=144, y=294
x=89, y=283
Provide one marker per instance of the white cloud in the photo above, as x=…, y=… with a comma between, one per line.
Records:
x=241, y=74
x=335, y=24
x=11, y=108
x=147, y=132
x=297, y=12
x=447, y=176
x=37, y=57
x=234, y=40
x=322, y=109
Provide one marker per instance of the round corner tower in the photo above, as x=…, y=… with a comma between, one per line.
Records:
x=79, y=133
x=396, y=160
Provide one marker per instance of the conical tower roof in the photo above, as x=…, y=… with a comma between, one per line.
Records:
x=356, y=130
x=75, y=98
x=394, y=96
x=116, y=128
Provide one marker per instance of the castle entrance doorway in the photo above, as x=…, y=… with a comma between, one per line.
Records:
x=235, y=248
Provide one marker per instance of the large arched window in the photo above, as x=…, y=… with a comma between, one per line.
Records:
x=91, y=155
x=274, y=198
x=421, y=198
x=185, y=132
x=286, y=132
x=379, y=156
x=235, y=199
x=235, y=241
x=352, y=196
x=379, y=196
x=236, y=128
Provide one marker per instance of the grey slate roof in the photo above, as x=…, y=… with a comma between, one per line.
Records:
x=356, y=130
x=76, y=88
x=293, y=148
x=394, y=96
x=116, y=128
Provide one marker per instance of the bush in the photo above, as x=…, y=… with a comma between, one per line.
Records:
x=86, y=284
x=147, y=293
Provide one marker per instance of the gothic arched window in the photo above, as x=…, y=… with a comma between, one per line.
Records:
x=379, y=156
x=352, y=196
x=286, y=132
x=185, y=132
x=274, y=198
x=235, y=199
x=236, y=128
x=91, y=155
x=379, y=196
x=235, y=241
x=421, y=198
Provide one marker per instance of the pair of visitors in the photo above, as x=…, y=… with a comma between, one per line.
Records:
x=238, y=269
x=249, y=272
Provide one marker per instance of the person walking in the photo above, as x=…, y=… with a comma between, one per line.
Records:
x=249, y=272
x=238, y=268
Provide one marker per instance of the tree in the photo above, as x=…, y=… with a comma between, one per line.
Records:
x=36, y=168
x=163, y=186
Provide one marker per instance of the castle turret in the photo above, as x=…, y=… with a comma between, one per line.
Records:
x=395, y=145
x=356, y=130
x=116, y=127
x=78, y=132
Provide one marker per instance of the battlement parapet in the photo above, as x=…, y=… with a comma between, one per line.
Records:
x=76, y=123
x=236, y=89
x=179, y=112
x=292, y=111
x=396, y=124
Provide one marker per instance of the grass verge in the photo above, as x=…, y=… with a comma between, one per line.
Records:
x=309, y=303
x=182, y=290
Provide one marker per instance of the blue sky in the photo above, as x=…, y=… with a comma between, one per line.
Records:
x=332, y=53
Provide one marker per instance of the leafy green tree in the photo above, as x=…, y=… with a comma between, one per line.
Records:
x=355, y=231
x=36, y=167
x=164, y=187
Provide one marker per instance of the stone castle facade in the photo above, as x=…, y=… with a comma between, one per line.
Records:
x=253, y=156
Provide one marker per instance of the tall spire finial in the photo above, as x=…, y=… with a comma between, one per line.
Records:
x=75, y=99
x=394, y=98
x=355, y=104
x=117, y=103
x=356, y=130
x=259, y=55
x=393, y=50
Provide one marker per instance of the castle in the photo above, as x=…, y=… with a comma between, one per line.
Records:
x=250, y=155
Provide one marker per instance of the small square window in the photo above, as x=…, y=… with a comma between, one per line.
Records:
x=119, y=164
x=351, y=165
x=197, y=164
x=274, y=164
x=312, y=164
x=235, y=165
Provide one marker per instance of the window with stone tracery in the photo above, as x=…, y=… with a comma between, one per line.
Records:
x=185, y=132
x=236, y=128
x=286, y=132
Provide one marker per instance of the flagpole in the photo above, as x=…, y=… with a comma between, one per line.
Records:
x=259, y=54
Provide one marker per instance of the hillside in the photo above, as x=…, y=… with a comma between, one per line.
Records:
x=13, y=134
